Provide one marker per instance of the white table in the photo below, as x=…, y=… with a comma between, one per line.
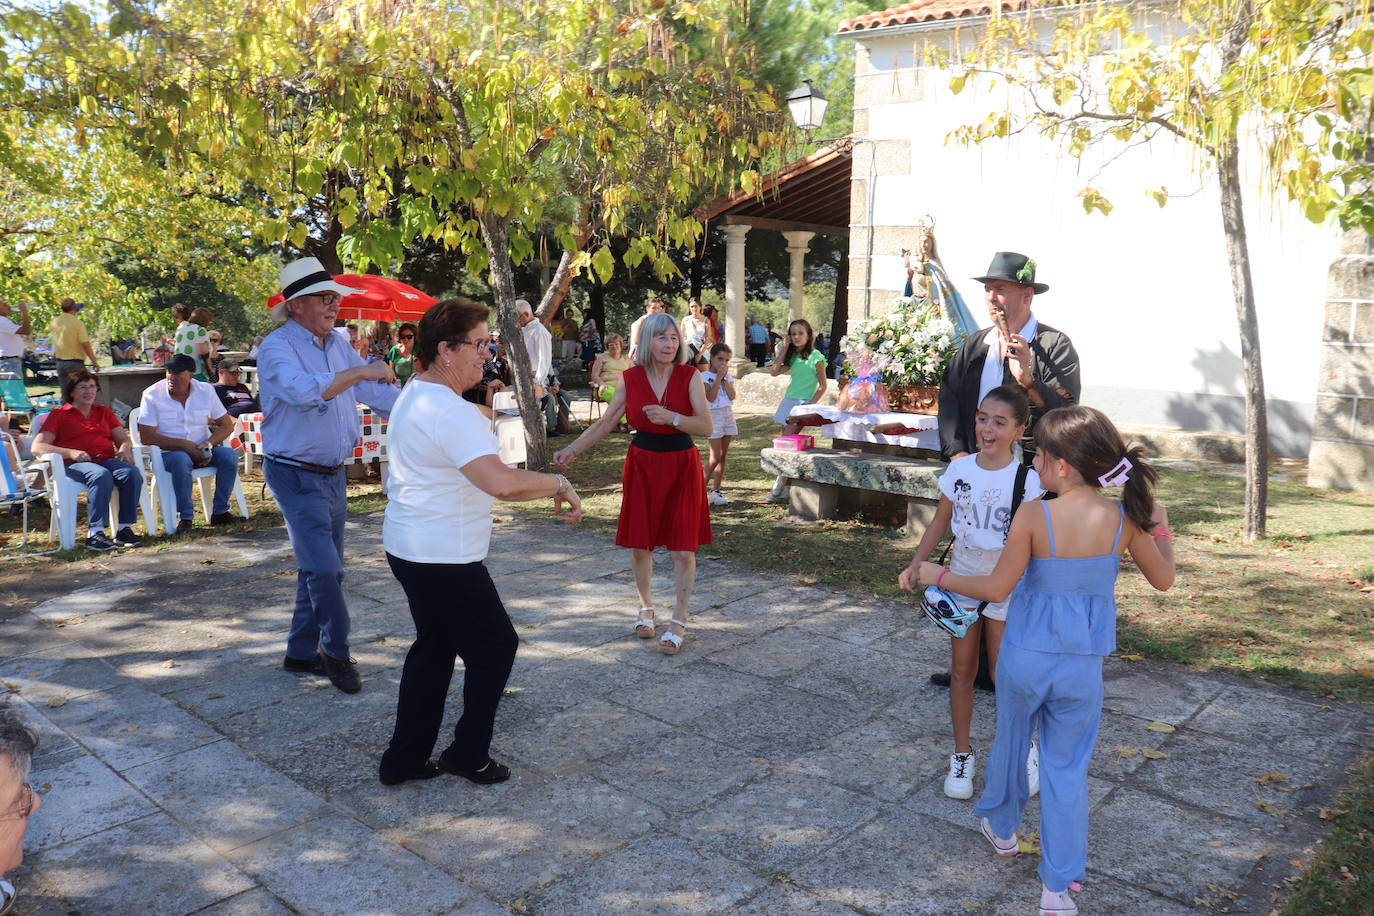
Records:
x=859, y=427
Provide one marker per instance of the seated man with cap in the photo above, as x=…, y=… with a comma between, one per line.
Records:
x=233, y=394
x=185, y=419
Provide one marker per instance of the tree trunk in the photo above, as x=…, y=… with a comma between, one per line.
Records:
x=557, y=289
x=496, y=237
x=839, y=318
x=1256, y=412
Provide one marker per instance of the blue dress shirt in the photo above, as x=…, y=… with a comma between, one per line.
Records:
x=297, y=422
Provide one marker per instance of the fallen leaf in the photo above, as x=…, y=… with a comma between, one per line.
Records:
x=1132, y=658
x=57, y=701
x=1217, y=843
x=1334, y=615
x=1272, y=778
x=1029, y=844
x=238, y=564
x=214, y=696
x=1126, y=751
x=1153, y=754
x=169, y=664
x=206, y=561
x=1327, y=814
x=1163, y=728
x=1268, y=807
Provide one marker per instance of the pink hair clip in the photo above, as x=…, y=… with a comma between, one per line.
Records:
x=1117, y=475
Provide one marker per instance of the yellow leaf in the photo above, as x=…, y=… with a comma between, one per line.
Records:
x=57, y=701
x=1268, y=807
x=1151, y=754
x=1029, y=844
x=1132, y=658
x=1163, y=728
x=1272, y=778
x=169, y=664
x=1126, y=751
x=1216, y=843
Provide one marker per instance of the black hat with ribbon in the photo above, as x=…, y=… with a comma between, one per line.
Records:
x=1013, y=267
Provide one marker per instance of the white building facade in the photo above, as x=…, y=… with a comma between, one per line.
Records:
x=1144, y=292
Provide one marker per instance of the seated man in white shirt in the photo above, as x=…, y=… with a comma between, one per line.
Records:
x=185, y=419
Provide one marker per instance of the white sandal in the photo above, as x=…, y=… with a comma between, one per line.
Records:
x=670, y=643
x=644, y=626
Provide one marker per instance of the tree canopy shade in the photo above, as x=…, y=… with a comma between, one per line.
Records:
x=1290, y=78
x=372, y=123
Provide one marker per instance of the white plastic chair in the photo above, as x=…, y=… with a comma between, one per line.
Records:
x=509, y=429
x=161, y=480
x=16, y=491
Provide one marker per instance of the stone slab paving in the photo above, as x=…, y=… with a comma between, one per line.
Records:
x=789, y=760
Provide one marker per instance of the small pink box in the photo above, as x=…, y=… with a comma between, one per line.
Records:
x=796, y=443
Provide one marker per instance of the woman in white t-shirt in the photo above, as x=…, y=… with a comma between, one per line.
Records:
x=976, y=502
x=445, y=475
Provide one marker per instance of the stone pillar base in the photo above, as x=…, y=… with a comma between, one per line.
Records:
x=919, y=514
x=813, y=501
x=1341, y=465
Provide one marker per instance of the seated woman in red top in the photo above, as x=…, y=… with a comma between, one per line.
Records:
x=663, y=498
x=98, y=454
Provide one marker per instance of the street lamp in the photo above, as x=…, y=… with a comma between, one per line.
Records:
x=807, y=106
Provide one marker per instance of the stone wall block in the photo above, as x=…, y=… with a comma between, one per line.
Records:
x=894, y=157
x=891, y=240
x=1351, y=277
x=1341, y=465
x=858, y=264
x=1337, y=324
x=1357, y=241
x=1364, y=321
x=861, y=122
x=1364, y=420
x=1332, y=418
x=887, y=87
x=1347, y=370
x=858, y=209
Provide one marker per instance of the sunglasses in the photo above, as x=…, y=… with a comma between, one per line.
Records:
x=407, y=337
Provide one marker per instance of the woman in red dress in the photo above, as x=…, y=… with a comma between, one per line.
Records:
x=663, y=502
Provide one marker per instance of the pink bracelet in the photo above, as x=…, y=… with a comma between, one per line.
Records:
x=940, y=576
x=1161, y=532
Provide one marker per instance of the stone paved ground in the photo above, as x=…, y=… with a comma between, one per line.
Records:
x=788, y=761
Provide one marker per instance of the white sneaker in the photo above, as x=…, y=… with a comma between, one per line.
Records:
x=1056, y=903
x=1000, y=846
x=779, y=487
x=1033, y=770
x=959, y=782
x=720, y=498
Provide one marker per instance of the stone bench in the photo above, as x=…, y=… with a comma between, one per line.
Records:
x=830, y=483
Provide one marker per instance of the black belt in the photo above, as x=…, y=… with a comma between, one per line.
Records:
x=304, y=465
x=662, y=442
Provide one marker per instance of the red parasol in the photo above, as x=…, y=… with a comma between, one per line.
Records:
x=378, y=299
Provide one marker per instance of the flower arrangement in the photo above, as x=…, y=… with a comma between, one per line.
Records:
x=908, y=346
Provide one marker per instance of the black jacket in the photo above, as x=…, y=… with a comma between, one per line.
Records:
x=1054, y=363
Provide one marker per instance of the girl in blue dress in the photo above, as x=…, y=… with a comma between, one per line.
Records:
x=1061, y=622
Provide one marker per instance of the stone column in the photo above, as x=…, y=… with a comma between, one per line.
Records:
x=798, y=243
x=1342, y=455
x=734, y=290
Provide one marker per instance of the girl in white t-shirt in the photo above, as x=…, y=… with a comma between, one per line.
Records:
x=976, y=502
x=720, y=394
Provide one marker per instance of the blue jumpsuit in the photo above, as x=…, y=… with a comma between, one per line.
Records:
x=1061, y=622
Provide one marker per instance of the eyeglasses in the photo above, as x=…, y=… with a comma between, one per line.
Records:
x=25, y=808
x=407, y=337
x=475, y=344
x=326, y=298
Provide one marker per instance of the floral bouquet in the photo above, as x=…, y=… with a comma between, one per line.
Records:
x=909, y=344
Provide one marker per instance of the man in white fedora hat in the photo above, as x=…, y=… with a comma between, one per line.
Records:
x=310, y=383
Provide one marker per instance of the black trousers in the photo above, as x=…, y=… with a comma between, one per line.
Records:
x=457, y=614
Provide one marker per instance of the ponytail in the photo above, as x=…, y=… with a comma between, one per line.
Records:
x=1137, y=495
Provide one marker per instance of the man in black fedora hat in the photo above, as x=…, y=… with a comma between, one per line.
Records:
x=1017, y=350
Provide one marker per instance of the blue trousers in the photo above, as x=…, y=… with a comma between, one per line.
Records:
x=226, y=465
x=100, y=479
x=1064, y=694
x=315, y=508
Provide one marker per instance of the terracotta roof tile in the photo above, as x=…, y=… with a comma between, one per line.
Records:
x=929, y=11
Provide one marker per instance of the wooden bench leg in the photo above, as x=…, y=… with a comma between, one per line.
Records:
x=919, y=514
x=811, y=501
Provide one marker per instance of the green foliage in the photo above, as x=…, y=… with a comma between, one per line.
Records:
x=1290, y=76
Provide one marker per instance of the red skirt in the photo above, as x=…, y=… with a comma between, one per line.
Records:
x=663, y=501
